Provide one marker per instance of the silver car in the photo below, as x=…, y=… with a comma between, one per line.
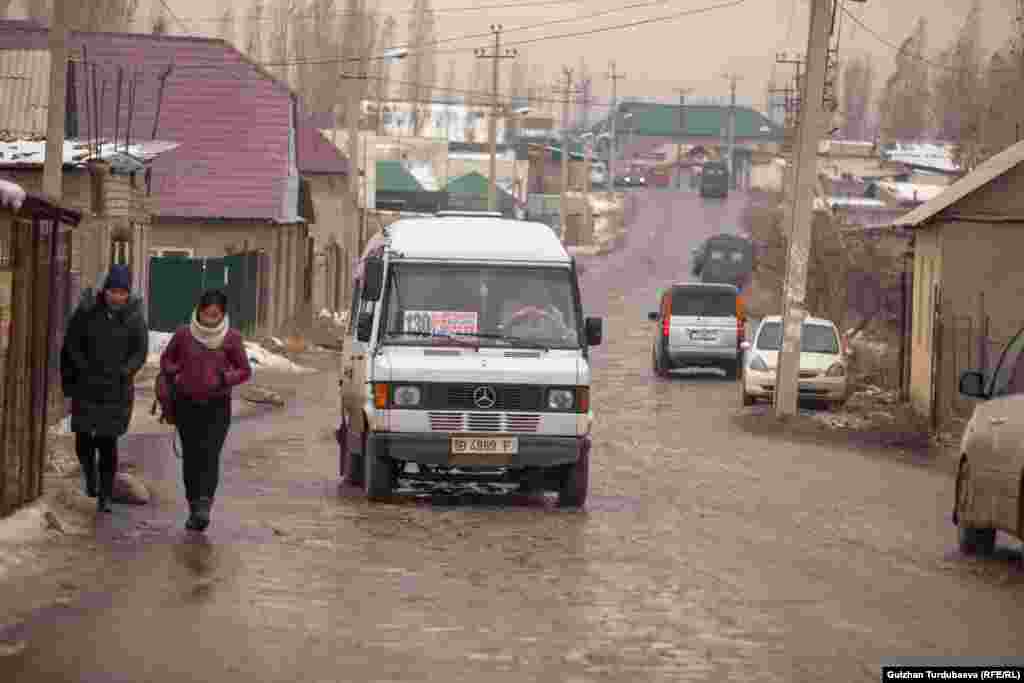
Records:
x=698, y=328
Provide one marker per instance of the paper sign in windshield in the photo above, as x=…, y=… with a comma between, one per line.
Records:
x=440, y=322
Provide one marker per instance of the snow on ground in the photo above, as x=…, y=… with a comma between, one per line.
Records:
x=259, y=357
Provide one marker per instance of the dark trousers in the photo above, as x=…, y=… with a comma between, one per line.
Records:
x=203, y=428
x=86, y=447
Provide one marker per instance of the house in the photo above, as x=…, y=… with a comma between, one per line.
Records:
x=107, y=184
x=233, y=184
x=968, y=283
x=109, y=188
x=397, y=189
x=470, y=192
x=325, y=171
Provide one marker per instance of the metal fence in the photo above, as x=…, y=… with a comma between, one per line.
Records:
x=35, y=281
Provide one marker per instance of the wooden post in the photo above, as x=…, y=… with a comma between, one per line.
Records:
x=53, y=165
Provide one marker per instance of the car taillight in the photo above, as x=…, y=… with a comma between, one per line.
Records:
x=740, y=331
x=666, y=315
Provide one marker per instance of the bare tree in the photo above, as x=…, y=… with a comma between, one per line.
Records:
x=516, y=80
x=1001, y=125
x=279, y=51
x=422, y=62
x=538, y=90
x=254, y=30
x=5, y=7
x=226, y=25
x=905, y=99
x=857, y=87
x=958, y=91
x=159, y=23
x=381, y=84
x=94, y=15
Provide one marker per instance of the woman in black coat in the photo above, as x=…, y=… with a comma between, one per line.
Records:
x=105, y=346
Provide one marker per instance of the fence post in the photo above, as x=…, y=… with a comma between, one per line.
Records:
x=938, y=333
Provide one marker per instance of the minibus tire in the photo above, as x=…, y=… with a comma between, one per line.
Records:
x=380, y=472
x=575, y=483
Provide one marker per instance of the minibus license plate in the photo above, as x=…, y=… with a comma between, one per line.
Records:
x=484, y=445
x=703, y=335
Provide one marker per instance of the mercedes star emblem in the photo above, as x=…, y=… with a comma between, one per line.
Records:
x=485, y=397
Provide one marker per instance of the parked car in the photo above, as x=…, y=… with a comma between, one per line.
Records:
x=714, y=179
x=598, y=174
x=700, y=326
x=634, y=177
x=823, y=361
x=990, y=479
x=467, y=357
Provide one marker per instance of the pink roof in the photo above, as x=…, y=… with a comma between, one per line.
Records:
x=232, y=119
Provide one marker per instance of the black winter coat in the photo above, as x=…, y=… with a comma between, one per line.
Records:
x=103, y=351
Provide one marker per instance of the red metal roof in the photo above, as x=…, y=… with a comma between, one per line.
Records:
x=317, y=154
x=232, y=119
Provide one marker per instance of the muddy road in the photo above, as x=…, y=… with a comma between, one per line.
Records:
x=705, y=553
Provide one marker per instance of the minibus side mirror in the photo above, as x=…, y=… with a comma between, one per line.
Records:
x=373, y=279
x=364, y=328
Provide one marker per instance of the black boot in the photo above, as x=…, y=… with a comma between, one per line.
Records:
x=89, y=478
x=192, y=523
x=106, y=492
x=103, y=503
x=202, y=513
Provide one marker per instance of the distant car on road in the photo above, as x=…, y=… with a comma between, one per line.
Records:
x=714, y=179
x=990, y=480
x=700, y=326
x=725, y=259
x=823, y=362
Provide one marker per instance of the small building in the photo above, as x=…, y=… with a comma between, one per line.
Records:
x=470, y=192
x=968, y=282
x=35, y=270
x=397, y=189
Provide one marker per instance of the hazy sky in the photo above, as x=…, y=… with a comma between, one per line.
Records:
x=691, y=52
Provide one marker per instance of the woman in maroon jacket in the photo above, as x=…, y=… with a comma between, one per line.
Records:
x=203, y=361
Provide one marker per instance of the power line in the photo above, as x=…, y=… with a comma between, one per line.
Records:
x=900, y=50
x=529, y=41
x=436, y=10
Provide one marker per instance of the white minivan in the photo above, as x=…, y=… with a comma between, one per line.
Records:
x=467, y=358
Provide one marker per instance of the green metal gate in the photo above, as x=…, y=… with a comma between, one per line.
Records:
x=177, y=282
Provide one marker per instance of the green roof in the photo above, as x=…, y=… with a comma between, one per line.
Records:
x=473, y=184
x=392, y=176
x=663, y=120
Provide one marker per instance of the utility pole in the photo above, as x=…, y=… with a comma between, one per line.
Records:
x=53, y=165
x=732, y=78
x=567, y=91
x=615, y=77
x=683, y=92
x=496, y=56
x=805, y=178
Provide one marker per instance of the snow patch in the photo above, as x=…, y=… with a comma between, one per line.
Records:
x=259, y=357
x=11, y=195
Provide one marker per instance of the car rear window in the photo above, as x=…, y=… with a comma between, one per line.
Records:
x=813, y=338
x=718, y=304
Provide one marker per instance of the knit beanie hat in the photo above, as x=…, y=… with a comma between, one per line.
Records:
x=120, y=277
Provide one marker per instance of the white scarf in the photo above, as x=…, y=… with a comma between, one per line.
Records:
x=210, y=337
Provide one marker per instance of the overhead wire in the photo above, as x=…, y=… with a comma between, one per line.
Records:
x=529, y=41
x=434, y=10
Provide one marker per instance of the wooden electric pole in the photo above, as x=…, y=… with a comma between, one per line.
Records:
x=683, y=92
x=567, y=91
x=615, y=77
x=732, y=78
x=57, y=110
x=809, y=133
x=496, y=56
